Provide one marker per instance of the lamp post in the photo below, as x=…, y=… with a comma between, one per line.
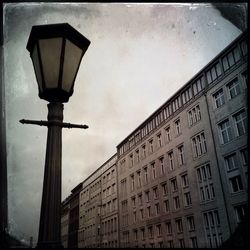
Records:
x=56, y=51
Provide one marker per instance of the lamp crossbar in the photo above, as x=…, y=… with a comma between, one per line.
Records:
x=53, y=123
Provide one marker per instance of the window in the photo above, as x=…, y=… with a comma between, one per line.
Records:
x=132, y=182
x=149, y=211
x=244, y=156
x=233, y=88
x=157, y=209
x=170, y=244
x=194, y=115
x=176, y=202
x=122, y=166
x=181, y=243
x=219, y=98
x=123, y=187
x=181, y=155
x=135, y=234
x=236, y=184
x=145, y=175
x=139, y=179
x=184, y=180
x=133, y=201
x=124, y=206
x=174, y=185
x=151, y=146
x=150, y=232
x=141, y=214
x=205, y=183
x=240, y=120
x=168, y=227
x=177, y=127
x=147, y=196
x=190, y=223
x=131, y=160
x=240, y=212
x=211, y=219
x=161, y=244
x=179, y=226
x=213, y=73
x=171, y=160
x=187, y=199
x=166, y=206
x=155, y=192
x=159, y=139
x=162, y=166
x=143, y=233
x=230, y=161
x=137, y=155
x=143, y=151
x=140, y=199
x=164, y=188
x=153, y=170
x=225, y=131
x=168, y=135
x=193, y=242
x=231, y=59
x=199, y=145
x=134, y=216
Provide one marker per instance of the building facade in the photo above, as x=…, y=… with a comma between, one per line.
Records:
x=98, y=221
x=65, y=223
x=183, y=172
x=180, y=178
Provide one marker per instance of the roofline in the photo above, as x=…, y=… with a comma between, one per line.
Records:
x=183, y=87
x=113, y=156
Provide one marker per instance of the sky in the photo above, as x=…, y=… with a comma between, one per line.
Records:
x=139, y=56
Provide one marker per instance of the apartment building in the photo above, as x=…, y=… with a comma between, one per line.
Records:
x=98, y=221
x=182, y=173
x=65, y=223
x=180, y=178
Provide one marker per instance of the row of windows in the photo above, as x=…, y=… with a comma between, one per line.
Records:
x=194, y=115
x=109, y=207
x=212, y=224
x=199, y=148
x=109, y=226
x=166, y=229
x=205, y=183
x=97, y=184
x=231, y=161
x=90, y=213
x=232, y=166
x=228, y=61
x=109, y=190
x=110, y=175
x=232, y=89
x=92, y=198
x=239, y=121
x=178, y=243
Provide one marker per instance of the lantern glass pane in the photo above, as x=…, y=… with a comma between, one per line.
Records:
x=36, y=65
x=72, y=59
x=50, y=50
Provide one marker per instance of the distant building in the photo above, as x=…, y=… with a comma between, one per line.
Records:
x=98, y=225
x=180, y=178
x=74, y=217
x=65, y=223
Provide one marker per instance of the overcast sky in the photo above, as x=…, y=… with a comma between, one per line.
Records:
x=139, y=56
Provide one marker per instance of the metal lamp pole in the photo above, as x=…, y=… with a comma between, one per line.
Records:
x=56, y=51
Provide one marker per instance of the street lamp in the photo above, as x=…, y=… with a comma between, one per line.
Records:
x=56, y=51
